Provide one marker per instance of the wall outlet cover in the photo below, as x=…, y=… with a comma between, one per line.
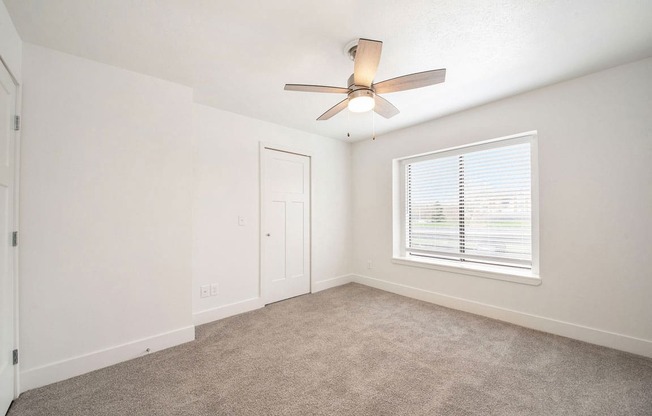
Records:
x=214, y=289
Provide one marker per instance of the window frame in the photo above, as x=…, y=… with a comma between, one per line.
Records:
x=508, y=273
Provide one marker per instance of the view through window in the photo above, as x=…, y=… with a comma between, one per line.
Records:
x=472, y=205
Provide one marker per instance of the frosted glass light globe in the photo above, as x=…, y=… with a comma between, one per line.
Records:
x=361, y=101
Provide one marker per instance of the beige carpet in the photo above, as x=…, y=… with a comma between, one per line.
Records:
x=354, y=350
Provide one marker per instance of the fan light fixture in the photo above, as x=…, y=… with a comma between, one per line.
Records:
x=361, y=101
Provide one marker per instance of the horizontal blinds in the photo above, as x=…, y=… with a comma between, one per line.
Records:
x=475, y=206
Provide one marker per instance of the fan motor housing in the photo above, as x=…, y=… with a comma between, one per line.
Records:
x=361, y=93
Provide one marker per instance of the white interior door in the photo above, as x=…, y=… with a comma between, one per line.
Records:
x=285, y=267
x=7, y=295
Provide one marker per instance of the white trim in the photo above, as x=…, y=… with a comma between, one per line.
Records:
x=534, y=195
x=247, y=305
x=11, y=74
x=482, y=145
x=505, y=273
x=224, y=311
x=17, y=144
x=285, y=148
x=15, y=201
x=399, y=208
x=320, y=285
x=71, y=367
x=566, y=329
x=399, y=251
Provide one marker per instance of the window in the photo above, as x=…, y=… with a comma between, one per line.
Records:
x=472, y=206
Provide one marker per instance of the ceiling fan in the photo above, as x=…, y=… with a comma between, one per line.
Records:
x=362, y=92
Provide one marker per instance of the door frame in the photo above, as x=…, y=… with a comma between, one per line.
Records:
x=16, y=215
x=262, y=295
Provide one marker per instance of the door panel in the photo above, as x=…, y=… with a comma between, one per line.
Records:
x=275, y=258
x=7, y=294
x=286, y=176
x=285, y=268
x=295, y=243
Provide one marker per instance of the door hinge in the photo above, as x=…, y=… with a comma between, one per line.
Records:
x=15, y=356
x=16, y=123
x=14, y=239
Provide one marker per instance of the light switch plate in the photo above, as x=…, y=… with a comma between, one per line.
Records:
x=205, y=291
x=241, y=221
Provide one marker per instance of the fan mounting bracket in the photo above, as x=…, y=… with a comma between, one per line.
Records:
x=350, y=48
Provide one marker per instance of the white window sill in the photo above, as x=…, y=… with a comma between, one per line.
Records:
x=508, y=274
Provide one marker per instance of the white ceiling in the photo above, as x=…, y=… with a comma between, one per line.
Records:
x=237, y=55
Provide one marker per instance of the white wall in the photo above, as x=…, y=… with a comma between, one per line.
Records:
x=595, y=153
x=227, y=186
x=106, y=199
x=10, y=43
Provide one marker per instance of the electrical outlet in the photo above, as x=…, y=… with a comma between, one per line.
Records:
x=368, y=264
x=205, y=291
x=214, y=289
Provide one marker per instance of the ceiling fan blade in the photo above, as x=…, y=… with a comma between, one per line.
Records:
x=316, y=88
x=384, y=107
x=409, y=82
x=367, y=58
x=334, y=109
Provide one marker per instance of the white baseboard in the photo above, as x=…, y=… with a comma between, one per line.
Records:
x=71, y=367
x=540, y=323
x=224, y=311
x=329, y=283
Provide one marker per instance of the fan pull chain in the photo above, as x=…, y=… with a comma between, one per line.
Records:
x=373, y=125
x=348, y=123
